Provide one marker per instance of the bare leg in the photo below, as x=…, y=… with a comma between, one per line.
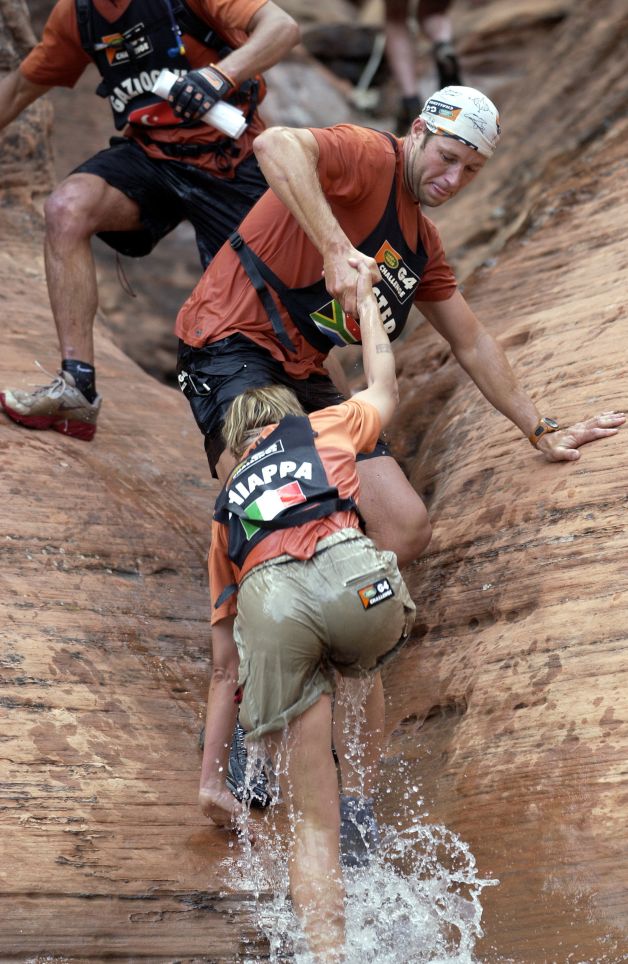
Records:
x=437, y=28
x=81, y=206
x=396, y=519
x=359, y=758
x=311, y=788
x=401, y=47
x=436, y=25
x=214, y=799
x=395, y=516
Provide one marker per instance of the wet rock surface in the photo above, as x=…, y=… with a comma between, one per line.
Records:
x=103, y=667
x=513, y=703
x=510, y=703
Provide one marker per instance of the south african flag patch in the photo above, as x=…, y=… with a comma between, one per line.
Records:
x=340, y=328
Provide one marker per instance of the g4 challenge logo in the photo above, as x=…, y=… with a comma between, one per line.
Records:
x=396, y=290
x=396, y=273
x=120, y=48
x=376, y=593
x=441, y=109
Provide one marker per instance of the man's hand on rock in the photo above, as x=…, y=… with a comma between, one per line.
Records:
x=563, y=445
x=196, y=93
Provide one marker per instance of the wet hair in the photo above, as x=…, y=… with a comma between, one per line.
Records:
x=253, y=410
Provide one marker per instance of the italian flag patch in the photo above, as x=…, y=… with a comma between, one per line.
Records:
x=271, y=504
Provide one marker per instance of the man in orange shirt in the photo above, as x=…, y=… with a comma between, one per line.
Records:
x=279, y=297
x=167, y=166
x=282, y=294
x=315, y=598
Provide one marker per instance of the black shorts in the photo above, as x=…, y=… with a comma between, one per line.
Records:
x=169, y=191
x=212, y=376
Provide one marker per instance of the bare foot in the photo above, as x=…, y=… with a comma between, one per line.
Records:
x=219, y=805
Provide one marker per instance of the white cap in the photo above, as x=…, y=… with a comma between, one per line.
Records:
x=466, y=114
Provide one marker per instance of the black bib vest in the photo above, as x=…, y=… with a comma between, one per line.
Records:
x=131, y=51
x=319, y=318
x=280, y=484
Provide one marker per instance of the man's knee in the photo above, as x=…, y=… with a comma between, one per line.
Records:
x=405, y=529
x=416, y=535
x=394, y=514
x=68, y=210
x=85, y=204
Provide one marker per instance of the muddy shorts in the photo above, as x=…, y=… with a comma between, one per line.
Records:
x=170, y=191
x=347, y=609
x=212, y=376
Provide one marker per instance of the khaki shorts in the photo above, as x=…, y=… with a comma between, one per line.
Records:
x=345, y=609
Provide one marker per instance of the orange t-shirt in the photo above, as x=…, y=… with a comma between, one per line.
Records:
x=342, y=432
x=58, y=60
x=355, y=168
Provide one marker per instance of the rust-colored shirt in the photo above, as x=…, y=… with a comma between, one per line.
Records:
x=355, y=168
x=59, y=60
x=342, y=432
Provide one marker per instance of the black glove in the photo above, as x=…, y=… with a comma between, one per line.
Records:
x=193, y=95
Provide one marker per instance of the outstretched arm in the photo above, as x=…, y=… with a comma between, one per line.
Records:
x=272, y=33
x=377, y=355
x=16, y=93
x=485, y=362
x=288, y=158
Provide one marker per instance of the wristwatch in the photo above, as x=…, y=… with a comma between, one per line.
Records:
x=543, y=427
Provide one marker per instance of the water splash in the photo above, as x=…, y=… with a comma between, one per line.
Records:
x=418, y=900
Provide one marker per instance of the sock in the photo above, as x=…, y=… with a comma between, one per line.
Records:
x=84, y=376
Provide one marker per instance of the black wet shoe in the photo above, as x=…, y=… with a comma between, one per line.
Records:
x=447, y=65
x=257, y=790
x=359, y=832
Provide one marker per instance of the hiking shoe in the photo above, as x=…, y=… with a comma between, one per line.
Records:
x=359, y=832
x=446, y=64
x=59, y=406
x=256, y=789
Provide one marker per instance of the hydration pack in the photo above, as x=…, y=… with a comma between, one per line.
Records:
x=131, y=51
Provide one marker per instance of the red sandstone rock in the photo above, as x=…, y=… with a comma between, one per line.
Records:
x=515, y=698
x=512, y=696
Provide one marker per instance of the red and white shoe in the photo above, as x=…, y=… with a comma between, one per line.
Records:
x=59, y=406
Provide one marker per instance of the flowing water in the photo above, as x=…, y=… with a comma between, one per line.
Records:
x=418, y=900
